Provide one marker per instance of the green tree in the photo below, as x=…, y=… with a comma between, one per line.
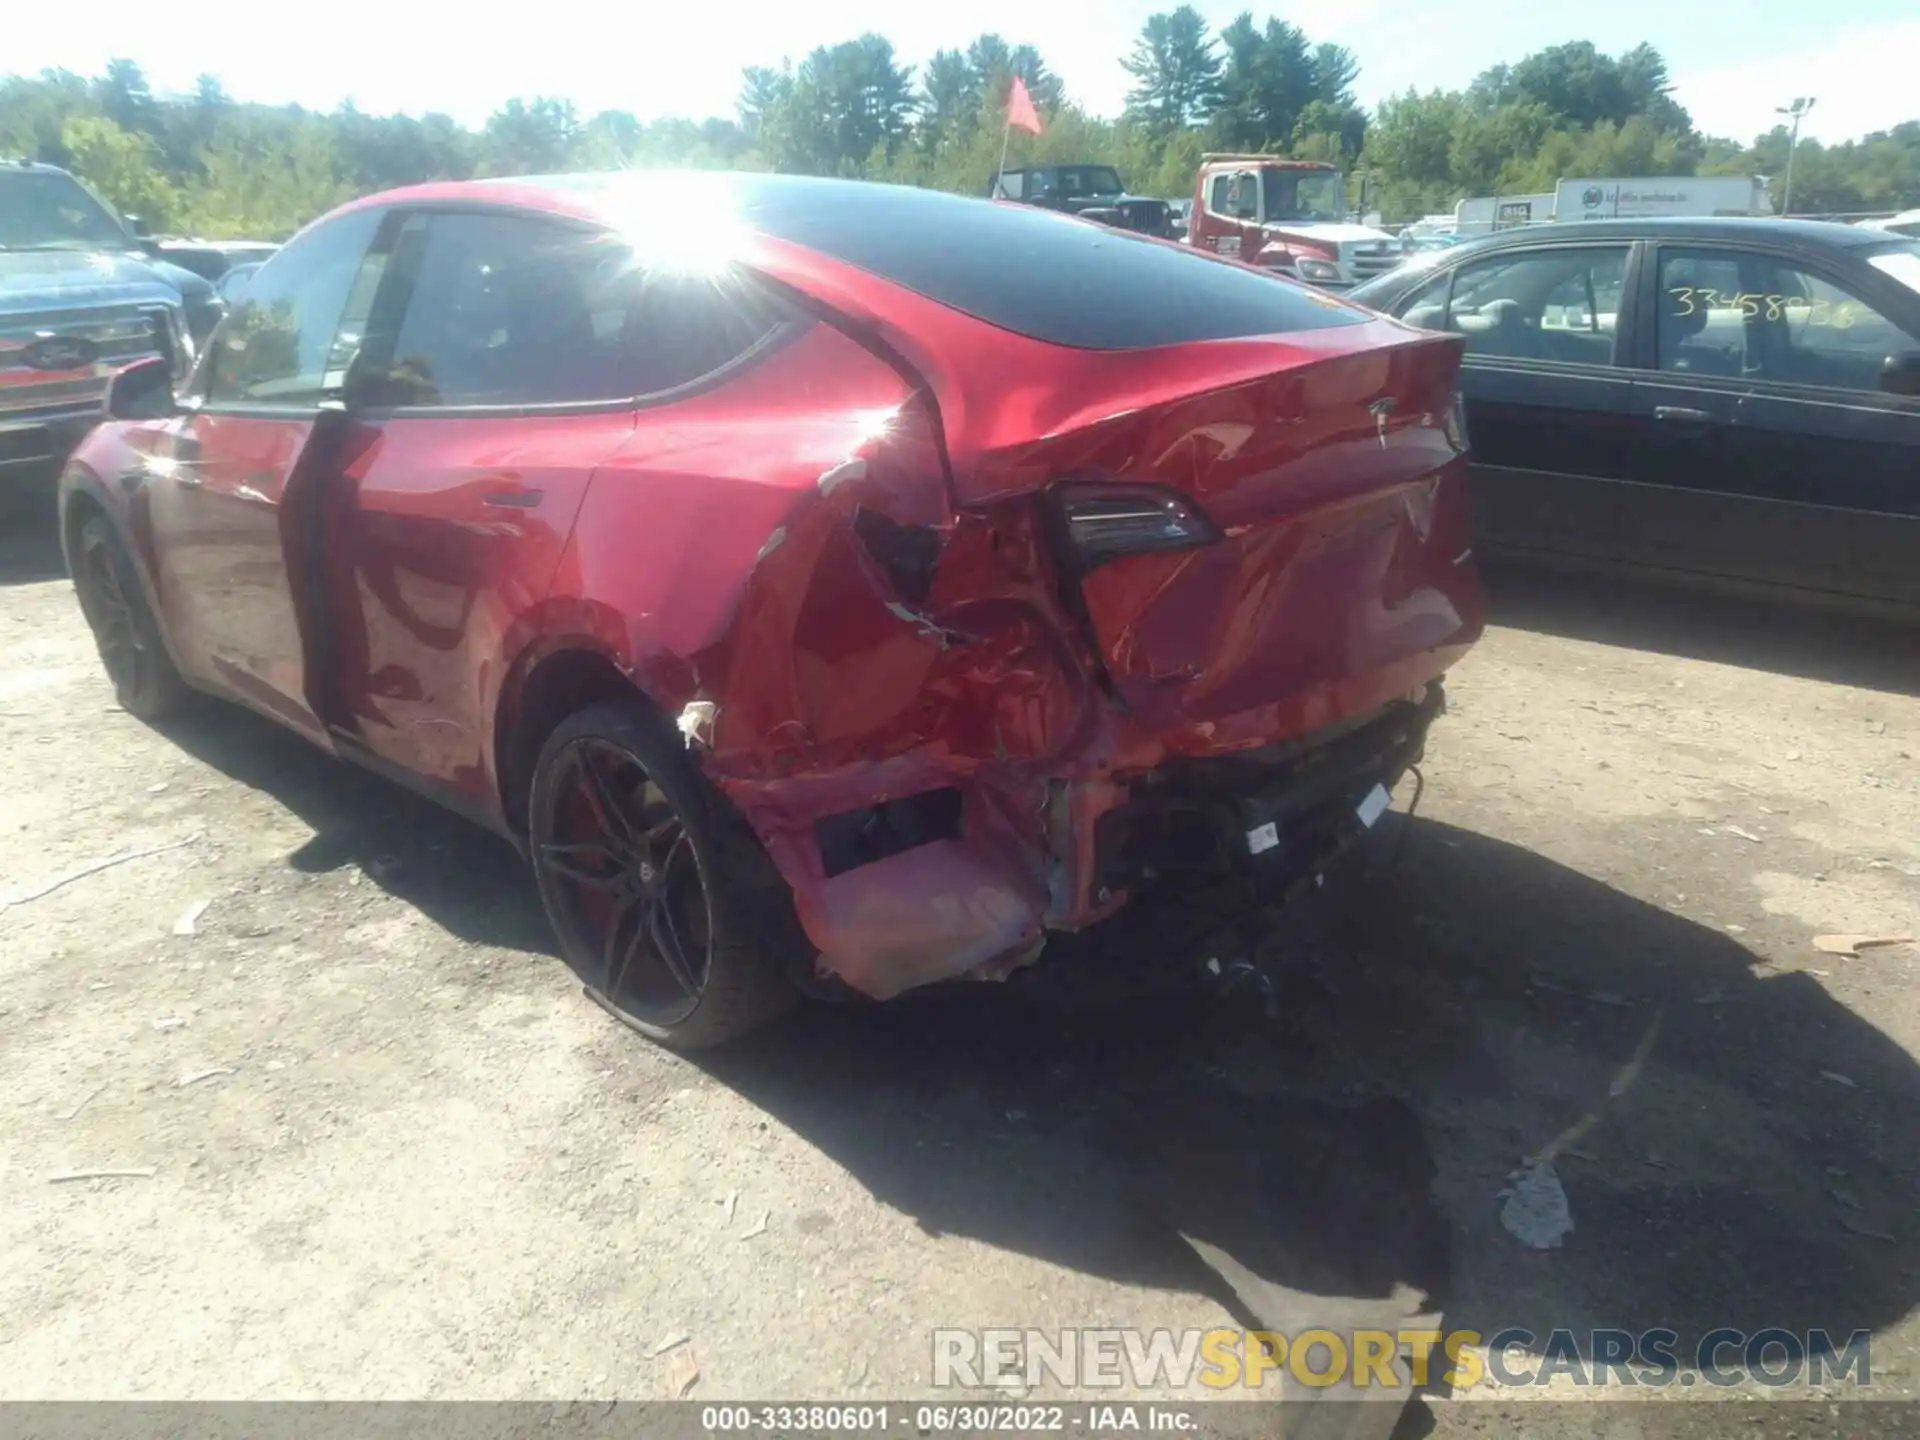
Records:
x=990, y=60
x=34, y=113
x=125, y=98
x=1576, y=83
x=1267, y=80
x=1330, y=130
x=123, y=166
x=267, y=173
x=1335, y=68
x=207, y=163
x=762, y=92
x=528, y=137
x=1176, y=71
x=949, y=100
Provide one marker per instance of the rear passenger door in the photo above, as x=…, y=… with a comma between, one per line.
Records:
x=491, y=383
x=1547, y=407
x=509, y=357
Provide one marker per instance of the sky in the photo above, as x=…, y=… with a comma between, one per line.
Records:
x=1732, y=63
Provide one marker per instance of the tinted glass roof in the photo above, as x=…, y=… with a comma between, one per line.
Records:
x=1032, y=271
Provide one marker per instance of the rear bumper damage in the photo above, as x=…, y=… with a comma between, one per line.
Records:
x=955, y=877
x=1192, y=636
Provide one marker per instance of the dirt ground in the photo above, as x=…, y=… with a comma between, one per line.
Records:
x=394, y=1152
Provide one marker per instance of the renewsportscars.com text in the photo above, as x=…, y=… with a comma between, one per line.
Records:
x=1396, y=1359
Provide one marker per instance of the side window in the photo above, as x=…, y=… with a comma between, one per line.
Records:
x=507, y=310
x=1814, y=332
x=278, y=344
x=1235, y=194
x=684, y=327
x=1702, y=325
x=1427, y=305
x=1560, y=304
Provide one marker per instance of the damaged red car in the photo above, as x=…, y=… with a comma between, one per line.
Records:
x=838, y=594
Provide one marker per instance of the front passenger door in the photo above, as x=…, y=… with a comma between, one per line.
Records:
x=1819, y=435
x=1773, y=457
x=225, y=527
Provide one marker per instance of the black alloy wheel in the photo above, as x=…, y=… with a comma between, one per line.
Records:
x=131, y=649
x=660, y=896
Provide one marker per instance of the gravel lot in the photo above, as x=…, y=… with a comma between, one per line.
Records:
x=395, y=1153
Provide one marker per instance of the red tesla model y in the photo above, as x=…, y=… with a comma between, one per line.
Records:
x=828, y=585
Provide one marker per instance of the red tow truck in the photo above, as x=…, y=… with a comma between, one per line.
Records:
x=1289, y=216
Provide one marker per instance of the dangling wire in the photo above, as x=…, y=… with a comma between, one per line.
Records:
x=1406, y=821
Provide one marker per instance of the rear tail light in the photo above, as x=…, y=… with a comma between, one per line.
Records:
x=1105, y=521
x=1456, y=422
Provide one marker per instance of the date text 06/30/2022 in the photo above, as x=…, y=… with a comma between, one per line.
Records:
x=970, y=1419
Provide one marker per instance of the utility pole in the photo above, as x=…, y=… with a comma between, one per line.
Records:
x=1797, y=110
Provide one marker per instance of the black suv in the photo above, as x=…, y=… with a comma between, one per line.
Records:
x=1093, y=192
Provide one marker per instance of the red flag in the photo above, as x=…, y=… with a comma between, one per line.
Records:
x=1020, y=111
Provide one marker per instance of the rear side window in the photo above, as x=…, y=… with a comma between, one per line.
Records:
x=508, y=310
x=1043, y=275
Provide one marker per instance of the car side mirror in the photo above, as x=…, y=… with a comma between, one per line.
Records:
x=142, y=391
x=1900, y=374
x=138, y=226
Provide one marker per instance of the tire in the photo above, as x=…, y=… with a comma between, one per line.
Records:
x=124, y=629
x=654, y=884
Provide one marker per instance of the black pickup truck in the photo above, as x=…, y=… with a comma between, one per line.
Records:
x=81, y=295
x=1093, y=192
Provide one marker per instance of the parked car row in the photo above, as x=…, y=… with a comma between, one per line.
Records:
x=1725, y=402
x=946, y=672
x=214, y=259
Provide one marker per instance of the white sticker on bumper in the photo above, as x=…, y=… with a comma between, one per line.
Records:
x=1262, y=838
x=1374, y=806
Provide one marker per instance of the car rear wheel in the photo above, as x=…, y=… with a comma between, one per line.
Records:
x=659, y=893
x=124, y=630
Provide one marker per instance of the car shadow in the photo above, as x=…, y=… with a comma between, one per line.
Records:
x=1755, y=635
x=29, y=542
x=471, y=883
x=1736, y=1147
x=1474, y=1009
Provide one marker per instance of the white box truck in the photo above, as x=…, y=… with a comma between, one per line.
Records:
x=1616, y=199
x=1679, y=195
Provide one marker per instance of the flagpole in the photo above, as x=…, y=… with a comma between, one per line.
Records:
x=1006, y=135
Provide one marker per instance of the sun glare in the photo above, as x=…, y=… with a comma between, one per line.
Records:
x=663, y=241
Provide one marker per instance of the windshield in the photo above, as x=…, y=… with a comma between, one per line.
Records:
x=1304, y=195
x=40, y=210
x=1901, y=262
